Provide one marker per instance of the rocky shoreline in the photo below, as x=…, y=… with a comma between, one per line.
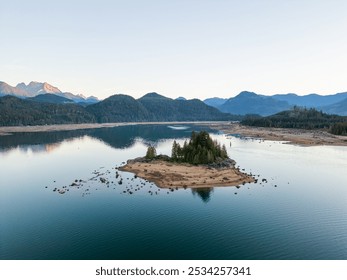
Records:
x=168, y=174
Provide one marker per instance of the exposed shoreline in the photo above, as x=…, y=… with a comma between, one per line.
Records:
x=290, y=135
x=293, y=136
x=181, y=175
x=6, y=130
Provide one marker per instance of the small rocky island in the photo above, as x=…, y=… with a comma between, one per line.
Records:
x=201, y=162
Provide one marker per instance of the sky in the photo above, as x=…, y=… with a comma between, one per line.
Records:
x=191, y=48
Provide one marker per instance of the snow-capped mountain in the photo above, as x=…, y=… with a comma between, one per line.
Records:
x=36, y=88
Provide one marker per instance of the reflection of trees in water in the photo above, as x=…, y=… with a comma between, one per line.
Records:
x=125, y=136
x=203, y=193
x=38, y=141
x=120, y=137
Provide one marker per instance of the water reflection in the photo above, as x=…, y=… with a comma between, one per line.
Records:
x=203, y=193
x=299, y=219
x=117, y=137
x=37, y=148
x=39, y=141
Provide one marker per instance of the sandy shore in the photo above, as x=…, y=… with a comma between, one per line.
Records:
x=168, y=175
x=291, y=136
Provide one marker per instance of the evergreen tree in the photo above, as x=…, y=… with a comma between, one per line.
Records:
x=201, y=149
x=224, y=152
x=174, y=151
x=339, y=128
x=151, y=152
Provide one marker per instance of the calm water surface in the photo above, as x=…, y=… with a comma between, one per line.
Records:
x=300, y=213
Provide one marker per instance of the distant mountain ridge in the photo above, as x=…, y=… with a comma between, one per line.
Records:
x=50, y=98
x=6, y=89
x=339, y=108
x=311, y=100
x=215, y=101
x=245, y=103
x=251, y=103
x=36, y=88
x=33, y=89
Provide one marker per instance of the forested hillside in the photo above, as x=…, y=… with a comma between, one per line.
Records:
x=297, y=118
x=15, y=111
x=162, y=108
x=117, y=108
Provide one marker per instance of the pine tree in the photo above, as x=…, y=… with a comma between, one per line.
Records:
x=224, y=153
x=151, y=153
x=201, y=149
x=174, y=151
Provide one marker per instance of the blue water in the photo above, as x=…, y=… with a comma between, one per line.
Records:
x=300, y=213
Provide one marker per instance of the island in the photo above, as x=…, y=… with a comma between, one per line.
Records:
x=200, y=163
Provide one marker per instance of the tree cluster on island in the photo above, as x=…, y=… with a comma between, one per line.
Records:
x=200, y=149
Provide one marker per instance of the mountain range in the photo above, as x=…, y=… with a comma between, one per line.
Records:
x=251, y=103
x=34, y=89
x=16, y=111
x=41, y=103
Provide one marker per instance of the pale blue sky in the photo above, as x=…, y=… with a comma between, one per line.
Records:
x=190, y=48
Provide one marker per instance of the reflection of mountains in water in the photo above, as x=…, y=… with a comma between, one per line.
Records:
x=120, y=137
x=41, y=148
x=37, y=141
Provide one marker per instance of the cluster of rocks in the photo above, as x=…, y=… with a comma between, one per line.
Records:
x=130, y=185
x=226, y=163
x=113, y=180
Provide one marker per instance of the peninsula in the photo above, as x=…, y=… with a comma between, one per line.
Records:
x=201, y=162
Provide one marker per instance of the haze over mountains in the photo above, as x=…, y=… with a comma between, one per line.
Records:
x=252, y=103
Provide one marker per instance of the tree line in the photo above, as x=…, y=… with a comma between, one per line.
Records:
x=339, y=128
x=200, y=149
x=302, y=118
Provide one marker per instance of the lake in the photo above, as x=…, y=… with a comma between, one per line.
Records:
x=299, y=213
